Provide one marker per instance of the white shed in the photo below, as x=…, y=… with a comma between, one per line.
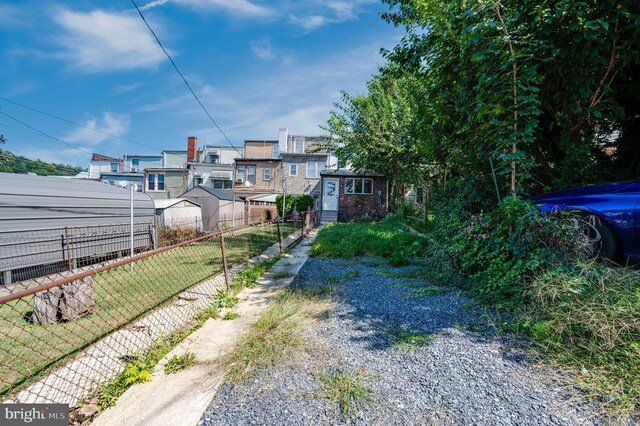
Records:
x=178, y=213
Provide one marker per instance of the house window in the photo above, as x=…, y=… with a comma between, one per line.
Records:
x=314, y=168
x=114, y=167
x=293, y=170
x=221, y=183
x=197, y=181
x=240, y=174
x=267, y=174
x=213, y=159
x=275, y=153
x=358, y=186
x=299, y=146
x=251, y=174
x=135, y=164
x=155, y=182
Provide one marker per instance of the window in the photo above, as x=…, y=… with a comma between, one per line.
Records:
x=267, y=174
x=314, y=168
x=213, y=159
x=221, y=183
x=240, y=174
x=135, y=164
x=155, y=182
x=251, y=174
x=275, y=153
x=197, y=181
x=358, y=186
x=299, y=146
x=114, y=167
x=293, y=170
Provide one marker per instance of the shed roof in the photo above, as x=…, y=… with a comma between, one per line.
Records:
x=165, y=204
x=40, y=202
x=221, y=194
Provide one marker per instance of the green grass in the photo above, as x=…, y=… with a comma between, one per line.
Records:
x=385, y=239
x=404, y=338
x=278, y=332
x=417, y=293
x=28, y=351
x=180, y=362
x=346, y=388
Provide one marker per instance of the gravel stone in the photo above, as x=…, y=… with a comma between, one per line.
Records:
x=458, y=377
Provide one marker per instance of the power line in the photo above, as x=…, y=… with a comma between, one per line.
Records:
x=183, y=78
x=76, y=124
x=45, y=134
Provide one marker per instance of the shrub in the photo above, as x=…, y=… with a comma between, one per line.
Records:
x=301, y=202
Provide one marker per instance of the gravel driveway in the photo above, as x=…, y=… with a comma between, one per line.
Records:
x=456, y=377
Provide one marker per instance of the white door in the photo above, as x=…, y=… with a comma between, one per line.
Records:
x=330, y=194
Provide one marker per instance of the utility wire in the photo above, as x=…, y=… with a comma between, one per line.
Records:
x=76, y=124
x=183, y=78
x=45, y=134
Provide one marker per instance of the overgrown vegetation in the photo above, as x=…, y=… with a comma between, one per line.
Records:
x=582, y=313
x=278, y=331
x=180, y=362
x=299, y=202
x=386, y=239
x=346, y=388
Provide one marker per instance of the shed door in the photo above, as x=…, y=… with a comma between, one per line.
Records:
x=330, y=194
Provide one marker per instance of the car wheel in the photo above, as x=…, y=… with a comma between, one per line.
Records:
x=603, y=238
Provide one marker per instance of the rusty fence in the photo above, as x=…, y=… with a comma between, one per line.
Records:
x=65, y=334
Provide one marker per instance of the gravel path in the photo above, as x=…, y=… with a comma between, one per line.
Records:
x=457, y=377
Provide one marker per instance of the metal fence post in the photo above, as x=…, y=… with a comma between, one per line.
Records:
x=224, y=263
x=279, y=236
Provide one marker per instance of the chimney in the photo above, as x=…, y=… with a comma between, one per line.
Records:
x=283, y=135
x=192, y=149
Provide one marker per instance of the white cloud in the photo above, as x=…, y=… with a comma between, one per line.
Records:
x=263, y=49
x=101, y=41
x=321, y=13
x=235, y=7
x=96, y=132
x=309, y=23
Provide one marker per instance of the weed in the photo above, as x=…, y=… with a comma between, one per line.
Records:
x=428, y=292
x=346, y=388
x=282, y=274
x=180, y=362
x=249, y=276
x=231, y=316
x=404, y=338
x=225, y=299
x=350, y=274
x=209, y=312
x=278, y=331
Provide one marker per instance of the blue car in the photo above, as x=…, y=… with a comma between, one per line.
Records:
x=611, y=213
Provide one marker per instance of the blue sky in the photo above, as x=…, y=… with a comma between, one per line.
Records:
x=256, y=65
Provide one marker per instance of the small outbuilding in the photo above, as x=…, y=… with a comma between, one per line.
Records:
x=48, y=223
x=178, y=213
x=219, y=207
x=348, y=196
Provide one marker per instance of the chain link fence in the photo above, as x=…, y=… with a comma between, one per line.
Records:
x=64, y=334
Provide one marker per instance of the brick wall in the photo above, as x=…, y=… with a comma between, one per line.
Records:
x=356, y=206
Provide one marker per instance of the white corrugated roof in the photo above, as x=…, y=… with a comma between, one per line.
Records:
x=165, y=204
x=268, y=198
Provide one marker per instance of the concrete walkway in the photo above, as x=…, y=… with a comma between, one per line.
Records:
x=181, y=398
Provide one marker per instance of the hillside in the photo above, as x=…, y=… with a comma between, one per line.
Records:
x=12, y=163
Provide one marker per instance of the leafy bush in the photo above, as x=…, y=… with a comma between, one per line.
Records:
x=502, y=251
x=301, y=202
x=168, y=236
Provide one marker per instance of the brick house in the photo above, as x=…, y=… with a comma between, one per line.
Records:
x=347, y=195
